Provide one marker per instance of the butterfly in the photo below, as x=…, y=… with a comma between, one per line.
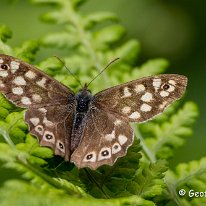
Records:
x=87, y=130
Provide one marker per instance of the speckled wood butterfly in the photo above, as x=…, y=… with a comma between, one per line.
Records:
x=88, y=130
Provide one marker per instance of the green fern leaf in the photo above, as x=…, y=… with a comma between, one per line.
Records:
x=15, y=126
x=5, y=33
x=28, y=50
x=148, y=181
x=164, y=138
x=92, y=19
x=191, y=177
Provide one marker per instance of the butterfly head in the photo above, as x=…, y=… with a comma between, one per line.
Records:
x=83, y=98
x=84, y=90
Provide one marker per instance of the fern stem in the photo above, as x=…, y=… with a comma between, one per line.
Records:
x=91, y=178
x=5, y=134
x=145, y=149
x=7, y=138
x=85, y=40
x=172, y=191
x=53, y=182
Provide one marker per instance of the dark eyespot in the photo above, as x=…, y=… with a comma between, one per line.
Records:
x=105, y=153
x=49, y=136
x=89, y=156
x=166, y=86
x=4, y=66
x=116, y=146
x=40, y=129
x=61, y=145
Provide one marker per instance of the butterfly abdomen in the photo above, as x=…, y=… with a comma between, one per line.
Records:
x=83, y=99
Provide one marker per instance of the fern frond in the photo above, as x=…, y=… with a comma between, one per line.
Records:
x=27, y=50
x=15, y=189
x=191, y=177
x=91, y=43
x=148, y=181
x=5, y=34
x=15, y=126
x=163, y=138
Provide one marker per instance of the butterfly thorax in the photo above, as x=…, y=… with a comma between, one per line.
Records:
x=83, y=102
x=83, y=99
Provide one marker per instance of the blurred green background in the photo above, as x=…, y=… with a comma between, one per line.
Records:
x=172, y=29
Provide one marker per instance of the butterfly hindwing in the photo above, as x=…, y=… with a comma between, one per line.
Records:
x=27, y=86
x=52, y=126
x=142, y=99
x=106, y=137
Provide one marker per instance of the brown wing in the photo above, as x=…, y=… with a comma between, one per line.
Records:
x=105, y=138
x=27, y=86
x=142, y=99
x=50, y=104
x=52, y=125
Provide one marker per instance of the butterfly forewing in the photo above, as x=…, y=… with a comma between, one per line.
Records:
x=106, y=137
x=142, y=99
x=27, y=86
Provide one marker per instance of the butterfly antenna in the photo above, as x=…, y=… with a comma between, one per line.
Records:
x=114, y=60
x=63, y=62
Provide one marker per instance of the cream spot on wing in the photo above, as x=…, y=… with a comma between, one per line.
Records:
x=39, y=129
x=117, y=122
x=116, y=148
x=122, y=139
x=126, y=110
x=42, y=82
x=37, y=98
x=171, y=89
x=2, y=84
x=139, y=88
x=3, y=73
x=17, y=90
x=105, y=153
x=127, y=93
x=90, y=157
x=60, y=146
x=47, y=122
x=164, y=94
x=30, y=75
x=134, y=115
x=145, y=108
x=43, y=110
x=157, y=83
x=172, y=82
x=19, y=81
x=34, y=121
x=163, y=105
x=147, y=97
x=49, y=137
x=1, y=61
x=110, y=137
x=14, y=66
x=26, y=100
